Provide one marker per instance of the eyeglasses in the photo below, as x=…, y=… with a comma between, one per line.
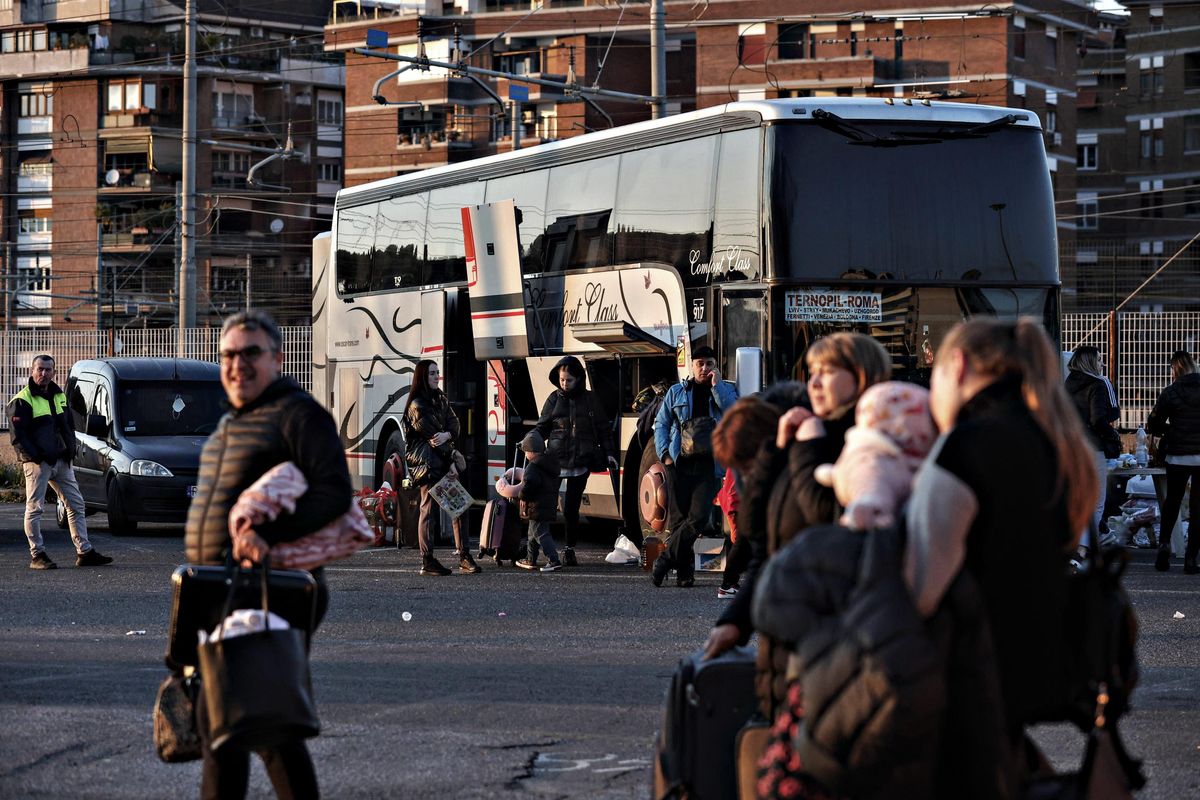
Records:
x=249, y=354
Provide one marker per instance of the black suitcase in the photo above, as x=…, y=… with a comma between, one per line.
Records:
x=707, y=704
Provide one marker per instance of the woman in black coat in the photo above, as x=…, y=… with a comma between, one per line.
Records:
x=431, y=427
x=1176, y=417
x=1096, y=402
x=576, y=431
x=1004, y=496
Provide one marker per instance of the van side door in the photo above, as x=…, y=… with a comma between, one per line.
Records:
x=81, y=391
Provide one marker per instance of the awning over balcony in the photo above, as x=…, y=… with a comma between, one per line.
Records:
x=162, y=149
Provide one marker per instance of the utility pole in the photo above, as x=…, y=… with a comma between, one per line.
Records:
x=516, y=124
x=658, y=57
x=178, y=237
x=100, y=275
x=187, y=263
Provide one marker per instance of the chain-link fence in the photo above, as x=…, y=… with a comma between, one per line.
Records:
x=17, y=349
x=1143, y=346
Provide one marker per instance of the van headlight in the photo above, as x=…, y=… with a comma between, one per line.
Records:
x=151, y=469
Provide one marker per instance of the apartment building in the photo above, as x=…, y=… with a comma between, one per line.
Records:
x=91, y=112
x=1138, y=201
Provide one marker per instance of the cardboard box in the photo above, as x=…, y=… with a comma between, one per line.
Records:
x=710, y=555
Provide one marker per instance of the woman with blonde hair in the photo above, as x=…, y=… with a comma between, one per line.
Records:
x=1004, y=495
x=1176, y=417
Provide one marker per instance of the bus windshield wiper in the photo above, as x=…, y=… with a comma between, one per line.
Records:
x=973, y=132
x=862, y=136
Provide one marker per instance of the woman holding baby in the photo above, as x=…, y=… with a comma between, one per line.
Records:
x=782, y=498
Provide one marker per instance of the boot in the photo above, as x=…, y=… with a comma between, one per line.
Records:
x=658, y=574
x=1162, y=562
x=568, y=557
x=467, y=564
x=431, y=566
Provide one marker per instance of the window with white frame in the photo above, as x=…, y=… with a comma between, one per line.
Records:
x=1087, y=206
x=329, y=171
x=232, y=104
x=1086, y=155
x=329, y=109
x=36, y=104
x=130, y=95
x=35, y=220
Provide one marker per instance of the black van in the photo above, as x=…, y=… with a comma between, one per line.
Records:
x=140, y=424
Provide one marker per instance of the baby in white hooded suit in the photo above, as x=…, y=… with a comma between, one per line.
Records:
x=893, y=432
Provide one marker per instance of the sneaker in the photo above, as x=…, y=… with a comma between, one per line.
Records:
x=568, y=559
x=42, y=561
x=525, y=563
x=552, y=566
x=727, y=592
x=431, y=566
x=659, y=572
x=685, y=582
x=92, y=559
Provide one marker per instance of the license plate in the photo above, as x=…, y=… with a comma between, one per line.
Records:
x=191, y=491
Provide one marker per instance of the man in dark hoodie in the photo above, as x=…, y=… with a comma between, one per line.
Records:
x=538, y=492
x=41, y=433
x=576, y=431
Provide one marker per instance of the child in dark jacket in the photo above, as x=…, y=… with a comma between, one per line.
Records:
x=538, y=491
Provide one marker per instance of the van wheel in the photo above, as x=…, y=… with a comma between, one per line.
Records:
x=402, y=512
x=60, y=514
x=119, y=522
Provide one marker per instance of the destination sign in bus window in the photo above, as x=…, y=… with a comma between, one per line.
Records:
x=832, y=305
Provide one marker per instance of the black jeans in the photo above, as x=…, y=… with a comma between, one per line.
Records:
x=1177, y=478
x=693, y=487
x=571, y=502
x=737, y=558
x=226, y=773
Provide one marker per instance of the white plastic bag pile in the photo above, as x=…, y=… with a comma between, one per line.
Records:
x=623, y=552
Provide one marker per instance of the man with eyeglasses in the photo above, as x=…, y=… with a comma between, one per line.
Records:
x=41, y=433
x=271, y=420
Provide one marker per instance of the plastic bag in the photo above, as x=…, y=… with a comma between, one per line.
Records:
x=624, y=552
x=243, y=621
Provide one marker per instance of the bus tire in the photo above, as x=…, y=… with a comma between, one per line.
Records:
x=649, y=458
x=402, y=512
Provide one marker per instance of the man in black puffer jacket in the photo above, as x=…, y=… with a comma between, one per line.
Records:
x=272, y=420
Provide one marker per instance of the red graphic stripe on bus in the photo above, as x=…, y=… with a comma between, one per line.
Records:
x=491, y=314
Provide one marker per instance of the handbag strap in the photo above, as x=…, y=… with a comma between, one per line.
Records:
x=233, y=575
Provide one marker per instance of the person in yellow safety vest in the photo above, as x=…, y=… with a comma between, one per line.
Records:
x=44, y=440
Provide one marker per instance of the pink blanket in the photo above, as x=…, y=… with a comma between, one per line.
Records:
x=277, y=491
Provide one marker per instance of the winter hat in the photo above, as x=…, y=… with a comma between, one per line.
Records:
x=533, y=443
x=573, y=365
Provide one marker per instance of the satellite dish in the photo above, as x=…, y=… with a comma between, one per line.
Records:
x=112, y=177
x=276, y=225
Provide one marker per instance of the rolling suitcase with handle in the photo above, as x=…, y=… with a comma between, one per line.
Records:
x=708, y=703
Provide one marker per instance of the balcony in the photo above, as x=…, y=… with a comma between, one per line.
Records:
x=135, y=239
x=32, y=125
x=32, y=63
x=37, y=183
x=37, y=240
x=432, y=139
x=130, y=180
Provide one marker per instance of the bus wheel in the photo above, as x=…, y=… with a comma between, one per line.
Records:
x=649, y=458
x=400, y=513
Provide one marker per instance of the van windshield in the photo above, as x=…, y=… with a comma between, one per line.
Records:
x=170, y=408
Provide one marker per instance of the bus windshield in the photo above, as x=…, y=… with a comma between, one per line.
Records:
x=911, y=202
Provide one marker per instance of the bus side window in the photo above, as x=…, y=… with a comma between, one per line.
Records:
x=579, y=201
x=356, y=234
x=664, y=208
x=446, y=258
x=529, y=191
x=736, y=230
x=398, y=259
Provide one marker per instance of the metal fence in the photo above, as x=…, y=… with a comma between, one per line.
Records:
x=17, y=349
x=1143, y=344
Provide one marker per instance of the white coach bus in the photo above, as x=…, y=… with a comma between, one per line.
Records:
x=759, y=225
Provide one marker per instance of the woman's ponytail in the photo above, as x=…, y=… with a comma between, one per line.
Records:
x=1021, y=349
x=1048, y=402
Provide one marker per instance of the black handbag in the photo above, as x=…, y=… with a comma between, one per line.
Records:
x=199, y=595
x=175, y=737
x=257, y=687
x=695, y=436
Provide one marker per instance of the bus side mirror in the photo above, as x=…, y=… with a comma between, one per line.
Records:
x=748, y=363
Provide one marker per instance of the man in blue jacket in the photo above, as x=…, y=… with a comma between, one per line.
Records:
x=683, y=440
x=44, y=440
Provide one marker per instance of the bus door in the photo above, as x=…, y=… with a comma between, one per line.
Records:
x=741, y=322
x=464, y=383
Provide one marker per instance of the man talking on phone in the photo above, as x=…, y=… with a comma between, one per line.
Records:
x=683, y=440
